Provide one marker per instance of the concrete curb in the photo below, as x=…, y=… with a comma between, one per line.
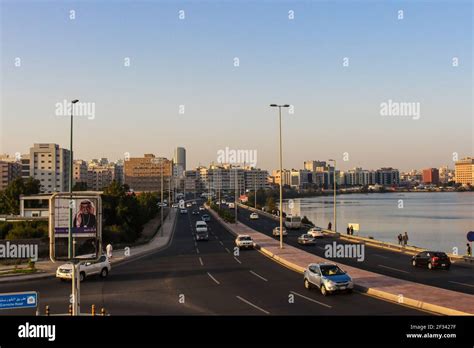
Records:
x=367, y=290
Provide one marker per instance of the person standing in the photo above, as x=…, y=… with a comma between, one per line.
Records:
x=109, y=250
x=352, y=230
x=400, y=239
x=348, y=230
x=469, y=251
x=405, y=239
x=329, y=226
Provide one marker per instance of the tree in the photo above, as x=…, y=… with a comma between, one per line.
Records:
x=10, y=197
x=270, y=204
x=80, y=186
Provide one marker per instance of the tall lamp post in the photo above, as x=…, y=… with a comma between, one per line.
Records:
x=334, y=208
x=75, y=282
x=161, y=189
x=281, y=177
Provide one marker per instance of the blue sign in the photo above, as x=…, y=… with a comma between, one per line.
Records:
x=470, y=236
x=12, y=300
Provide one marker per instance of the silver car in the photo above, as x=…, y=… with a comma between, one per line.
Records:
x=328, y=277
x=306, y=239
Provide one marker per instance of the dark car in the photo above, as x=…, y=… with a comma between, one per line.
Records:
x=432, y=260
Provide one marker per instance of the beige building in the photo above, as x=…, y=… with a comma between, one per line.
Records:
x=144, y=173
x=79, y=171
x=9, y=171
x=50, y=165
x=464, y=171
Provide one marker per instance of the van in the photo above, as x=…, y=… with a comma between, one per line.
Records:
x=201, y=230
x=292, y=222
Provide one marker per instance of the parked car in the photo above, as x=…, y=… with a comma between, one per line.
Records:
x=276, y=232
x=431, y=259
x=254, y=216
x=244, y=241
x=306, y=239
x=86, y=269
x=183, y=211
x=315, y=232
x=205, y=217
x=195, y=212
x=328, y=277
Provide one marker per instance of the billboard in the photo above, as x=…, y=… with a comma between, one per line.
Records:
x=83, y=210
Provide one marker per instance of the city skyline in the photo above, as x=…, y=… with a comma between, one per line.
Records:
x=223, y=75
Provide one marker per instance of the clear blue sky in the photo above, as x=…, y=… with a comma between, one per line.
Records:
x=190, y=62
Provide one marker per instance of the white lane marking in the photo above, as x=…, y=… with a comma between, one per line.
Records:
x=251, y=304
x=258, y=275
x=227, y=250
x=472, y=286
x=220, y=242
x=236, y=259
x=214, y=279
x=310, y=299
x=200, y=261
x=197, y=250
x=394, y=269
x=382, y=256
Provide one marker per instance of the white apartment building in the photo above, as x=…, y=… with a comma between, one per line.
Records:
x=50, y=165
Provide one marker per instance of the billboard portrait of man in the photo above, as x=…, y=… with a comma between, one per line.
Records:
x=85, y=217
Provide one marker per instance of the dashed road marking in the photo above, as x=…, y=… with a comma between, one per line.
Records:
x=310, y=299
x=393, y=269
x=200, y=261
x=214, y=279
x=472, y=286
x=251, y=304
x=236, y=259
x=258, y=275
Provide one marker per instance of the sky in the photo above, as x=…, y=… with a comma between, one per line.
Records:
x=137, y=66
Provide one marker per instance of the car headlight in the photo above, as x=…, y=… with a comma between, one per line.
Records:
x=330, y=283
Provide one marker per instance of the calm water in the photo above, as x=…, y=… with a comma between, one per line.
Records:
x=437, y=220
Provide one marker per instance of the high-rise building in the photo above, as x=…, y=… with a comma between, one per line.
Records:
x=431, y=176
x=179, y=161
x=315, y=166
x=25, y=166
x=79, y=171
x=99, y=176
x=387, y=177
x=464, y=171
x=50, y=165
x=118, y=172
x=9, y=171
x=144, y=173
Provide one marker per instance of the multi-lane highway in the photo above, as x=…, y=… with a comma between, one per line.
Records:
x=188, y=278
x=460, y=277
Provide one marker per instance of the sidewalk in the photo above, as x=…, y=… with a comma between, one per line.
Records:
x=408, y=293
x=47, y=268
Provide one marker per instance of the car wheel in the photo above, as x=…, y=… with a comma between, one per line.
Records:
x=307, y=284
x=82, y=276
x=413, y=263
x=430, y=266
x=104, y=272
x=324, y=292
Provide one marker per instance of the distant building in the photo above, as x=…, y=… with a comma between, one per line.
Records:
x=144, y=173
x=179, y=161
x=387, y=177
x=50, y=165
x=79, y=171
x=315, y=166
x=464, y=171
x=25, y=166
x=118, y=172
x=9, y=171
x=446, y=175
x=99, y=177
x=358, y=177
x=431, y=176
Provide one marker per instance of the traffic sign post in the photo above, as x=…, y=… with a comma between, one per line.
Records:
x=27, y=299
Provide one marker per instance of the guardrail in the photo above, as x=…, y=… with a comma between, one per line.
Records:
x=412, y=250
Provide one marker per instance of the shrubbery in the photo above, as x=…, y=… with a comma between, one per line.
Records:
x=224, y=213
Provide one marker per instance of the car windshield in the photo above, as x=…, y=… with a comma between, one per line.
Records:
x=245, y=238
x=331, y=270
x=440, y=255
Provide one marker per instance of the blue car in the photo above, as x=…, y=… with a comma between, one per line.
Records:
x=328, y=277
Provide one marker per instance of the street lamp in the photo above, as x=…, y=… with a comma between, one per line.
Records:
x=281, y=177
x=334, y=180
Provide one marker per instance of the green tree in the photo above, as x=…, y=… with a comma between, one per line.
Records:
x=270, y=204
x=10, y=197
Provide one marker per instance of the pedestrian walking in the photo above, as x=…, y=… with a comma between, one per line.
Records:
x=329, y=226
x=469, y=251
x=348, y=230
x=405, y=239
x=352, y=230
x=400, y=239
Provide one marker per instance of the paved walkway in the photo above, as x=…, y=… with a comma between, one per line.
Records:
x=47, y=268
x=412, y=294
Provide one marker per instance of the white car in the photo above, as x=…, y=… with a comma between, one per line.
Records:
x=316, y=232
x=253, y=216
x=86, y=269
x=201, y=208
x=183, y=211
x=175, y=205
x=276, y=232
x=201, y=230
x=244, y=241
x=188, y=205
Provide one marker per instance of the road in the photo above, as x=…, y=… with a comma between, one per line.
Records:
x=395, y=264
x=189, y=278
